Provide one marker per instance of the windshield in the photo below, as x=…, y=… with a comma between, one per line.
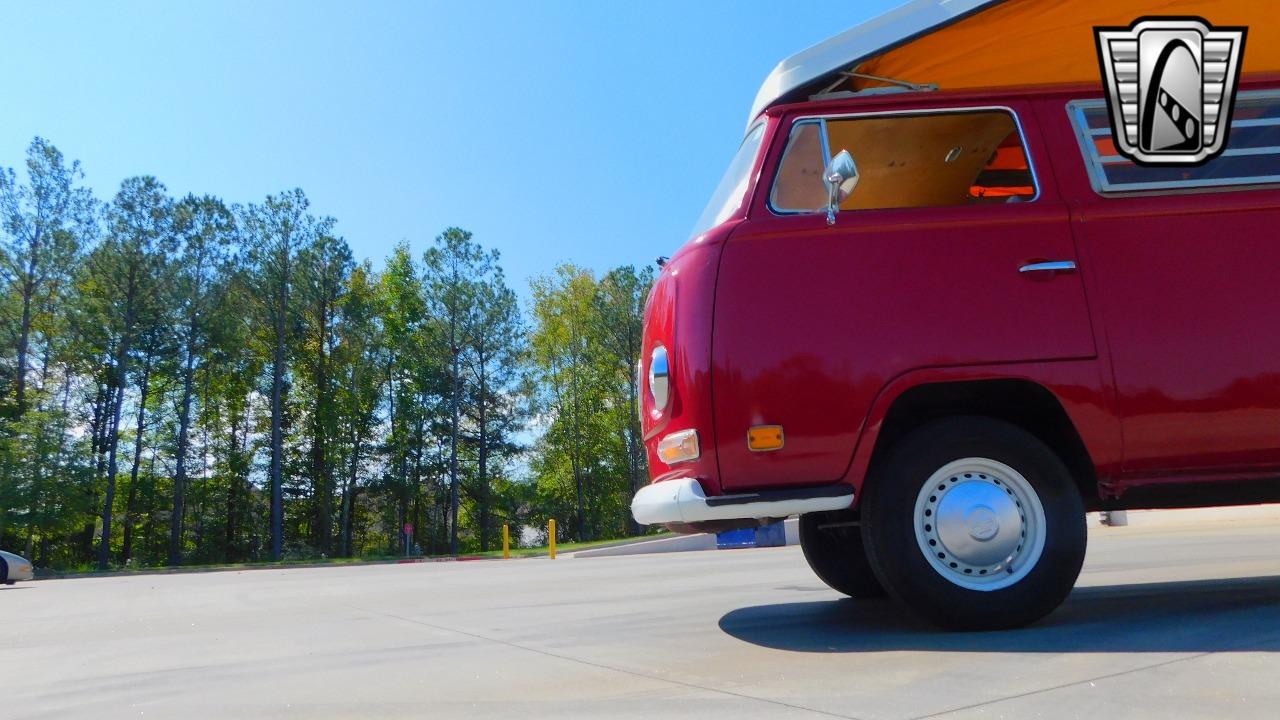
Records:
x=733, y=186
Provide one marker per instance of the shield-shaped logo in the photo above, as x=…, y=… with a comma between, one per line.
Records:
x=1171, y=85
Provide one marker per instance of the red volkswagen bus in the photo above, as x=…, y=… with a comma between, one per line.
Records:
x=934, y=312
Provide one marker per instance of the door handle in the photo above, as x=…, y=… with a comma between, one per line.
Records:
x=1049, y=266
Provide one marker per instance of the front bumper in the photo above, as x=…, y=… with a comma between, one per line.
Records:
x=682, y=501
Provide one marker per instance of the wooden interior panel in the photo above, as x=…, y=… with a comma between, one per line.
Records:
x=799, y=185
x=918, y=161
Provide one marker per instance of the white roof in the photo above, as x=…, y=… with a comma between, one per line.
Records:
x=857, y=44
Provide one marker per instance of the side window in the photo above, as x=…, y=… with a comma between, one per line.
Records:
x=798, y=186
x=909, y=160
x=1252, y=156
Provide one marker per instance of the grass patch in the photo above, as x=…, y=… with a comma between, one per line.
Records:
x=88, y=569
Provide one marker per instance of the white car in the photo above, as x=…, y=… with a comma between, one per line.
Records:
x=14, y=568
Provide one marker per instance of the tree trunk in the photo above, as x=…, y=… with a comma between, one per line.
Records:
x=359, y=425
x=277, y=428
x=60, y=457
x=184, y=441
x=113, y=443
x=348, y=495
x=149, y=501
x=634, y=450
x=24, y=330
x=453, y=440
x=319, y=463
x=24, y=340
x=482, y=453
x=36, y=499
x=418, y=443
x=234, y=481
x=351, y=521
x=401, y=463
x=113, y=439
x=577, y=450
x=130, y=507
x=100, y=425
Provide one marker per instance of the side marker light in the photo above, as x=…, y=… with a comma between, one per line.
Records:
x=764, y=438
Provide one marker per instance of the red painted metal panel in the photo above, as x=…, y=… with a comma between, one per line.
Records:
x=811, y=321
x=1166, y=331
x=1184, y=291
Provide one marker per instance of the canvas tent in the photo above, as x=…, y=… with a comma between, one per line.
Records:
x=957, y=44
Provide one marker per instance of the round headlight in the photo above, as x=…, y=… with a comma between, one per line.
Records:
x=659, y=378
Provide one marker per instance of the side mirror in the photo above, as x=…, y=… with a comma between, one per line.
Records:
x=841, y=177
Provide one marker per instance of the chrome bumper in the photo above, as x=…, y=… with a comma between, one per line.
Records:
x=682, y=500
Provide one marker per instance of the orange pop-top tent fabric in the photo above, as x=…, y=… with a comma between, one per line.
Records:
x=1033, y=42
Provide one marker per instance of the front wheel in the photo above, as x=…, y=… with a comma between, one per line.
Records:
x=975, y=524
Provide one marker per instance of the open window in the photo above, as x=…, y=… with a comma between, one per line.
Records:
x=910, y=160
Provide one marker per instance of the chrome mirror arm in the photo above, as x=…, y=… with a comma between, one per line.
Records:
x=841, y=177
x=833, y=196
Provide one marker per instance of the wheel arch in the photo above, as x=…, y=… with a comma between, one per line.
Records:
x=1020, y=401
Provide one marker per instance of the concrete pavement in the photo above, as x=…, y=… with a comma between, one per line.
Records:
x=1166, y=622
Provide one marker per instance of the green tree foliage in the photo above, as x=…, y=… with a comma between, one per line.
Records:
x=619, y=308
x=207, y=229
x=326, y=266
x=584, y=339
x=188, y=381
x=44, y=224
x=126, y=278
x=483, y=343
x=275, y=233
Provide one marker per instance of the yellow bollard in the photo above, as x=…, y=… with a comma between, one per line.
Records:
x=551, y=536
x=506, y=543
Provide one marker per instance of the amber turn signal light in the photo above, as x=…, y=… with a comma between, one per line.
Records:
x=763, y=438
x=679, y=447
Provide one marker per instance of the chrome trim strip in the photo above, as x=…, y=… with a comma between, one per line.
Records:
x=1237, y=152
x=1256, y=122
x=1259, y=182
x=826, y=142
x=786, y=152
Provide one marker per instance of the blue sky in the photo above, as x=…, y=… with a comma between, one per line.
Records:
x=582, y=131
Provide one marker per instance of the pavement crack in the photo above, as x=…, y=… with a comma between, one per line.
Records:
x=1063, y=686
x=603, y=666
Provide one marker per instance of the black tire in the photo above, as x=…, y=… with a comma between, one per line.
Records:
x=897, y=552
x=832, y=544
x=4, y=572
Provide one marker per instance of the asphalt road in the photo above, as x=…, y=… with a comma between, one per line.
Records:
x=1165, y=623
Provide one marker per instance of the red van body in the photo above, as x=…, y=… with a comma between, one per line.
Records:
x=1162, y=351
x=1149, y=365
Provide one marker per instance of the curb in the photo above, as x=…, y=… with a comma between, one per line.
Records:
x=1189, y=517
x=281, y=566
x=679, y=543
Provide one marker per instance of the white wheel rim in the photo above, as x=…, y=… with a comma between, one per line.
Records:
x=980, y=524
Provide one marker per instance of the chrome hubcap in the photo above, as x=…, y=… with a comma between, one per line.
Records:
x=980, y=524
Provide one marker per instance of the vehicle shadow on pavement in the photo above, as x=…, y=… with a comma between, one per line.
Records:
x=1239, y=614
